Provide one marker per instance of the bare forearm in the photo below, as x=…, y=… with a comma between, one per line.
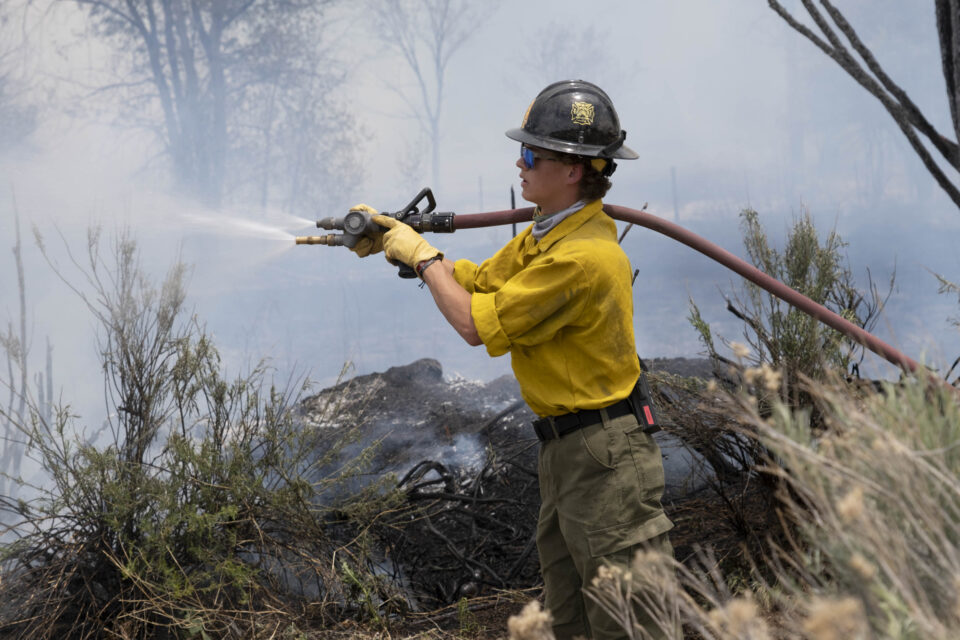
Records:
x=452, y=300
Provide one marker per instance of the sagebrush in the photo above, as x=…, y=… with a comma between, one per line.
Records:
x=203, y=505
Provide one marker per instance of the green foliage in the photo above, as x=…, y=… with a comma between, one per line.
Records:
x=469, y=625
x=205, y=507
x=363, y=590
x=780, y=335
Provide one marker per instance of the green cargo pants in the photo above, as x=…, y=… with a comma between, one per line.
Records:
x=600, y=490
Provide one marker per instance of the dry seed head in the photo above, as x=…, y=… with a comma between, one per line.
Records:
x=740, y=350
x=712, y=386
x=862, y=566
x=771, y=377
x=751, y=375
x=645, y=560
x=740, y=618
x=840, y=619
x=531, y=624
x=850, y=507
x=607, y=573
x=603, y=575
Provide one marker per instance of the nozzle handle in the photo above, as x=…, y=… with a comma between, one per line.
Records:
x=330, y=223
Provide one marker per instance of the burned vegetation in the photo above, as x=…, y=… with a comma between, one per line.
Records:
x=464, y=458
x=464, y=461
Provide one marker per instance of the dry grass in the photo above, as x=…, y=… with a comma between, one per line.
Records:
x=873, y=501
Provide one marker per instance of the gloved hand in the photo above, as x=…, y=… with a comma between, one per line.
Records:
x=366, y=245
x=402, y=244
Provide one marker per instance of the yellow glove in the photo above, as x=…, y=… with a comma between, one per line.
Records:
x=366, y=245
x=402, y=244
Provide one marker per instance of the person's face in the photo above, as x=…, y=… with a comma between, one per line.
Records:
x=549, y=181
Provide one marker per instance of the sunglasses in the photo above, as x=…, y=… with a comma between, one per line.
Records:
x=529, y=156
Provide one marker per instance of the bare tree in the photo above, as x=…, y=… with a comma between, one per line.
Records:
x=859, y=62
x=16, y=119
x=427, y=33
x=207, y=66
x=295, y=143
x=17, y=116
x=15, y=345
x=569, y=52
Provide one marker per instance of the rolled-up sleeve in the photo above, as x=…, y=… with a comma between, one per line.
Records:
x=465, y=273
x=483, y=308
x=532, y=306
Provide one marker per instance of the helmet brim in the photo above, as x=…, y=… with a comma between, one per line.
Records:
x=591, y=151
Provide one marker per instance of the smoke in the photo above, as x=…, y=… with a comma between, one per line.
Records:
x=728, y=108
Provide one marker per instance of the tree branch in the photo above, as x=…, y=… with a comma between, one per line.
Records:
x=904, y=112
x=948, y=32
x=946, y=147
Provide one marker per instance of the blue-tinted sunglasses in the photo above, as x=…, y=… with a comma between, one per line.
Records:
x=529, y=156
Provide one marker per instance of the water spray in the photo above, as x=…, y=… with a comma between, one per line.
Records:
x=357, y=226
x=237, y=224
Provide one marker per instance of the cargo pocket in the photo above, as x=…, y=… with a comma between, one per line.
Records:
x=609, y=540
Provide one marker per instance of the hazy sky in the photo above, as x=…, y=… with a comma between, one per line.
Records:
x=718, y=93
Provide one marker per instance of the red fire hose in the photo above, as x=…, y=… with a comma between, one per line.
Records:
x=724, y=257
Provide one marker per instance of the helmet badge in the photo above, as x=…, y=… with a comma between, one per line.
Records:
x=581, y=113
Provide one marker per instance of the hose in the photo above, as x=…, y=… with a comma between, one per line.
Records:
x=724, y=257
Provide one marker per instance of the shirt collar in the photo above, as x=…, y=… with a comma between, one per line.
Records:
x=564, y=227
x=543, y=224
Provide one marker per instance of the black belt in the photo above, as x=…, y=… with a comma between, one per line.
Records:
x=558, y=426
x=638, y=403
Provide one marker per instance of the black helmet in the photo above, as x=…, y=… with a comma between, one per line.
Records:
x=575, y=117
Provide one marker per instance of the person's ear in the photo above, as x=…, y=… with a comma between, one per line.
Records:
x=575, y=173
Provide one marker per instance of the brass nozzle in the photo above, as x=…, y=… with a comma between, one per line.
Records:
x=327, y=240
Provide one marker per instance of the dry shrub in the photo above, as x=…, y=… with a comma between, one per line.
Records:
x=533, y=623
x=873, y=498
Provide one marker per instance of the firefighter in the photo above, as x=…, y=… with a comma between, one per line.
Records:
x=558, y=299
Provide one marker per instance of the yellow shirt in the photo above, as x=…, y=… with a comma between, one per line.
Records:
x=563, y=308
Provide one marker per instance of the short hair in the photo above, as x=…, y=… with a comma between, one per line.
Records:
x=594, y=184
